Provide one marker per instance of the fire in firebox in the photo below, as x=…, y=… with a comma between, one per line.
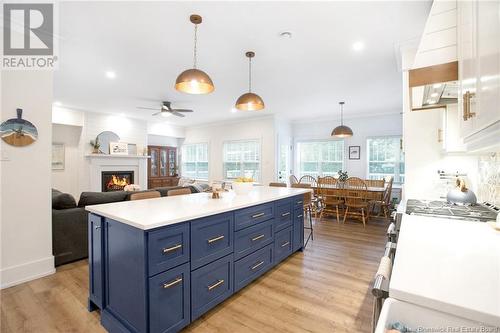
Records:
x=116, y=181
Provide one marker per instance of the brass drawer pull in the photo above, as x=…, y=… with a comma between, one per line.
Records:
x=173, y=283
x=215, y=285
x=257, y=265
x=210, y=241
x=258, y=215
x=258, y=237
x=285, y=214
x=173, y=248
x=285, y=244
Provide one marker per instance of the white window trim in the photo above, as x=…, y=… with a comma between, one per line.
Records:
x=242, y=140
x=397, y=180
x=296, y=155
x=208, y=158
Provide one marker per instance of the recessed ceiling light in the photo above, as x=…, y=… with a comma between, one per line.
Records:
x=358, y=46
x=286, y=34
x=437, y=85
x=110, y=74
x=234, y=110
x=434, y=94
x=57, y=103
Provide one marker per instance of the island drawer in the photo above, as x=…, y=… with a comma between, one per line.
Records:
x=168, y=247
x=282, y=244
x=252, y=266
x=252, y=215
x=283, y=214
x=252, y=238
x=211, y=238
x=169, y=300
x=210, y=285
x=298, y=201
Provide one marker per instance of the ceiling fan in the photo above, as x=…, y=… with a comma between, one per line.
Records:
x=166, y=110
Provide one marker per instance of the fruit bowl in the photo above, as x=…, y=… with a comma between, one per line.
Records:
x=242, y=187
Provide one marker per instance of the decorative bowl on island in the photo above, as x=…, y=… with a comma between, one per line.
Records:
x=242, y=186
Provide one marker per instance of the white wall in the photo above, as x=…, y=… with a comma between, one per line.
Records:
x=215, y=135
x=160, y=140
x=381, y=125
x=26, y=227
x=67, y=180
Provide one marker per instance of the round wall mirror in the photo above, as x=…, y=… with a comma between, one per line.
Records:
x=105, y=138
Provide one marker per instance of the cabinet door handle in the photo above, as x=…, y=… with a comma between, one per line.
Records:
x=258, y=215
x=300, y=215
x=258, y=237
x=172, y=248
x=257, y=265
x=97, y=227
x=285, y=214
x=173, y=283
x=216, y=284
x=285, y=244
x=212, y=240
x=470, y=114
x=299, y=202
x=465, y=104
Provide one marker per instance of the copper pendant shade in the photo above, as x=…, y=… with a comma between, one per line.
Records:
x=250, y=101
x=194, y=81
x=342, y=131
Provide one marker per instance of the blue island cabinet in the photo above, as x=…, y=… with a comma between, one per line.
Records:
x=162, y=279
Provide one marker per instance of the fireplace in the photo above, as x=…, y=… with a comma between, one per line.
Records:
x=116, y=180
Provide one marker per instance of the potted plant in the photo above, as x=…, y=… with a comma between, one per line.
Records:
x=343, y=176
x=95, y=146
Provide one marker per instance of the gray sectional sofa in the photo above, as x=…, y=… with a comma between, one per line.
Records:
x=69, y=220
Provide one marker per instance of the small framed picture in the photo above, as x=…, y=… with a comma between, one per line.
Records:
x=118, y=148
x=132, y=149
x=354, y=152
x=58, y=156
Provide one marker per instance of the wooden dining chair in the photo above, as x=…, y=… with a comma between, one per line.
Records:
x=144, y=195
x=375, y=182
x=355, y=200
x=274, y=184
x=308, y=210
x=178, y=191
x=293, y=180
x=385, y=203
x=307, y=179
x=330, y=196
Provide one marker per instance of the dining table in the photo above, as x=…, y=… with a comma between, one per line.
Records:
x=372, y=192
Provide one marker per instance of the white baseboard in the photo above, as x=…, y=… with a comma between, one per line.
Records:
x=14, y=275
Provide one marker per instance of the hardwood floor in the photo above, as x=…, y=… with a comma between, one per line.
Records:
x=323, y=289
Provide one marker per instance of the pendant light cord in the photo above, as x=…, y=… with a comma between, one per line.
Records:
x=195, y=42
x=342, y=114
x=249, y=74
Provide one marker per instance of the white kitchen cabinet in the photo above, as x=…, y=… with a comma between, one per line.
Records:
x=449, y=134
x=479, y=73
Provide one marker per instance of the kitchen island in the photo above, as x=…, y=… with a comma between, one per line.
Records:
x=155, y=265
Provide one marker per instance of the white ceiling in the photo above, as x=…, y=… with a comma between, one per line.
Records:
x=148, y=44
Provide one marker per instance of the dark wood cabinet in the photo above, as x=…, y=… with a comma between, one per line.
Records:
x=162, y=166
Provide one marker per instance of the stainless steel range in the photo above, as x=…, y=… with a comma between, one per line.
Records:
x=480, y=213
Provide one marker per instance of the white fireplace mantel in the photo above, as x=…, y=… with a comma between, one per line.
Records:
x=103, y=162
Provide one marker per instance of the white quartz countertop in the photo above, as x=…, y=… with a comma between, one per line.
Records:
x=450, y=266
x=153, y=213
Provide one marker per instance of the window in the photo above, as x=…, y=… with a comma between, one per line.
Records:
x=195, y=161
x=320, y=158
x=242, y=159
x=385, y=158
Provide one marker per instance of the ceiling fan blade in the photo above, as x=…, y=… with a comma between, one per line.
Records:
x=182, y=110
x=145, y=108
x=157, y=113
x=175, y=113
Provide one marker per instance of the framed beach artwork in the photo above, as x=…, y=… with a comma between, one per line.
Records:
x=118, y=148
x=58, y=156
x=354, y=152
x=18, y=131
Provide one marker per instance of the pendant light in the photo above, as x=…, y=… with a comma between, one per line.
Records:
x=250, y=101
x=342, y=131
x=194, y=81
